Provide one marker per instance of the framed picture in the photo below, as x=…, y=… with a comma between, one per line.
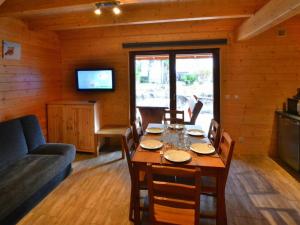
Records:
x=11, y=50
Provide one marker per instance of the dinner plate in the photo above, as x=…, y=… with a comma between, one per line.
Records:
x=196, y=132
x=176, y=126
x=202, y=148
x=154, y=130
x=151, y=144
x=177, y=156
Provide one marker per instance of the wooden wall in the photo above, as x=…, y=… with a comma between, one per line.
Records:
x=262, y=72
x=103, y=47
x=28, y=84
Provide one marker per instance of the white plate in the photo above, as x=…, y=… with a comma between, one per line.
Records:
x=202, y=148
x=154, y=130
x=196, y=132
x=176, y=126
x=151, y=144
x=177, y=156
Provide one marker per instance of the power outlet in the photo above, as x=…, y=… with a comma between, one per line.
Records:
x=236, y=97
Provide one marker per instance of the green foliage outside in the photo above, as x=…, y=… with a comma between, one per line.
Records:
x=189, y=79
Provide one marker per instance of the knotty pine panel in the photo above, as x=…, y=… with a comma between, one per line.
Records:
x=262, y=71
x=26, y=85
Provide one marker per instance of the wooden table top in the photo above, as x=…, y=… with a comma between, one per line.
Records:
x=142, y=156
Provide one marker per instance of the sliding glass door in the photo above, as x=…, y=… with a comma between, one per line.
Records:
x=194, y=80
x=152, y=81
x=172, y=79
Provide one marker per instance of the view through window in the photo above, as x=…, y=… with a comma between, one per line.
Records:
x=193, y=80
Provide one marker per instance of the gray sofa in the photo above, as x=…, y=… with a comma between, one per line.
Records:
x=29, y=168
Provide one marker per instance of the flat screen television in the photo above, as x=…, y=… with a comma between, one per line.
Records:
x=101, y=79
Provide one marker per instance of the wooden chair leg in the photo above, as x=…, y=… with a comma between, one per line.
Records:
x=221, y=205
x=123, y=150
x=131, y=207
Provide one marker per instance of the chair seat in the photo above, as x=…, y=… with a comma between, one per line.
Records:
x=168, y=215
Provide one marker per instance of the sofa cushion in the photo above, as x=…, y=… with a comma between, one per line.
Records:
x=66, y=150
x=12, y=142
x=32, y=131
x=19, y=181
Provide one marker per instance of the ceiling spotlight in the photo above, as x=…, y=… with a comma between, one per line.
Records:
x=116, y=10
x=98, y=10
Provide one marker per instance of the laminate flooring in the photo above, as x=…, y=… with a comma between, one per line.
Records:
x=258, y=192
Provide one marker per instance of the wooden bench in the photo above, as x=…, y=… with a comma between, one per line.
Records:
x=110, y=132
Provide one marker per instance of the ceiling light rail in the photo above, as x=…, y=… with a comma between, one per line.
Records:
x=108, y=4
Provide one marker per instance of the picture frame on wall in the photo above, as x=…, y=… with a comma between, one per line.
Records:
x=11, y=50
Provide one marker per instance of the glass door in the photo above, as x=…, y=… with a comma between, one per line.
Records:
x=174, y=79
x=152, y=86
x=195, y=80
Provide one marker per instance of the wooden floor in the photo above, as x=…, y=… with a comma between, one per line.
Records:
x=258, y=192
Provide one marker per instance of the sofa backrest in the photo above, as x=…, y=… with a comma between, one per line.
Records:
x=13, y=144
x=33, y=132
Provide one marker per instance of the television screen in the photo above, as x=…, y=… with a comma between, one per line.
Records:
x=95, y=79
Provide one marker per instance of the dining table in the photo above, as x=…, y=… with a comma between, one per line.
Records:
x=210, y=165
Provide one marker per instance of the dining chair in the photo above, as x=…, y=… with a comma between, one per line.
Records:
x=129, y=148
x=194, y=110
x=209, y=183
x=173, y=116
x=137, y=130
x=173, y=202
x=214, y=133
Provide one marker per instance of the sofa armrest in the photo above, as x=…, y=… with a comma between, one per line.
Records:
x=66, y=150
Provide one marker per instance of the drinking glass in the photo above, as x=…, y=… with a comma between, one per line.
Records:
x=187, y=140
x=180, y=139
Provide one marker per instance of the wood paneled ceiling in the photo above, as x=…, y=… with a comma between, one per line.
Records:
x=255, y=16
x=74, y=14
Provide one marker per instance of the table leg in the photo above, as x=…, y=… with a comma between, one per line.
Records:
x=221, y=205
x=136, y=194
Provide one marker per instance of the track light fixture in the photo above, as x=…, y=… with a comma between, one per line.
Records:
x=108, y=4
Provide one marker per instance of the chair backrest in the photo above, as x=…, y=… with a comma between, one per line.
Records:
x=173, y=116
x=214, y=133
x=170, y=194
x=129, y=148
x=195, y=112
x=225, y=150
x=137, y=130
x=192, y=103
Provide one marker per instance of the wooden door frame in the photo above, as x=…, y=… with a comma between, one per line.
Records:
x=172, y=57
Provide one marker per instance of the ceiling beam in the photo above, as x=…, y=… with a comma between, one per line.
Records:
x=21, y=8
x=273, y=13
x=145, y=14
x=1, y=2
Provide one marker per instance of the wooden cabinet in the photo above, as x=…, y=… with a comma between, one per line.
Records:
x=74, y=122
